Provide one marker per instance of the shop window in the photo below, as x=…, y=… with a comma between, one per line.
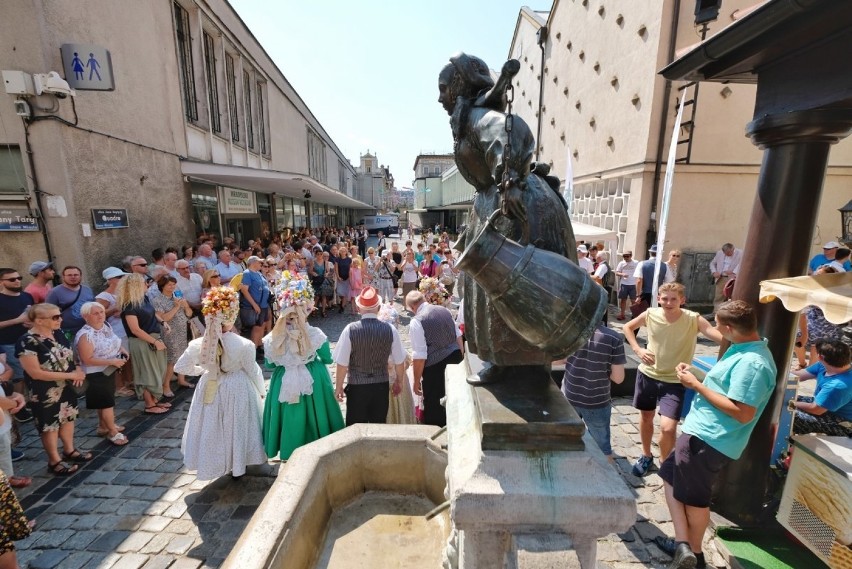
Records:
x=205, y=210
x=187, y=72
x=13, y=179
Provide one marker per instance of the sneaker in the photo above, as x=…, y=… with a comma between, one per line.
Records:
x=17, y=455
x=23, y=416
x=683, y=557
x=666, y=544
x=643, y=465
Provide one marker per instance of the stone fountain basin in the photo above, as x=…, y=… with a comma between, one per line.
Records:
x=366, y=482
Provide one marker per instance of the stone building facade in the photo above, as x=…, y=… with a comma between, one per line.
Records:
x=202, y=133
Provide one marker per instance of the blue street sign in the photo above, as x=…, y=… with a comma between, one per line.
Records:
x=110, y=218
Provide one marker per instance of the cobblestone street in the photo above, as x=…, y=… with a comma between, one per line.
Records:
x=137, y=507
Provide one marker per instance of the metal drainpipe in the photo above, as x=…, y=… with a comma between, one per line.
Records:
x=651, y=236
x=542, y=40
x=41, y=216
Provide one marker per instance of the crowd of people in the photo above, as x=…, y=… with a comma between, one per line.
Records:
x=208, y=321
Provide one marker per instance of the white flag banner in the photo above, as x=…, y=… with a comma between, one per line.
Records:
x=667, y=198
x=568, y=192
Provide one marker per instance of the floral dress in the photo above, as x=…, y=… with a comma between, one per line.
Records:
x=53, y=403
x=371, y=271
x=174, y=335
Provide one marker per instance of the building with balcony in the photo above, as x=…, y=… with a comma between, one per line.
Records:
x=189, y=128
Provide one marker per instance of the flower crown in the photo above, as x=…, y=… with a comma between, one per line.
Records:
x=294, y=292
x=433, y=291
x=221, y=301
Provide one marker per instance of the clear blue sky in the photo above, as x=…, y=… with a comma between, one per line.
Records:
x=368, y=70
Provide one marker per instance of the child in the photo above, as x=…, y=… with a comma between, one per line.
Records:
x=356, y=282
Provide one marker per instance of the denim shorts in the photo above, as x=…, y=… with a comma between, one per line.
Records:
x=597, y=422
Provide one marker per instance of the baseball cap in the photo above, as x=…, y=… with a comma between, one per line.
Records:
x=829, y=245
x=253, y=259
x=582, y=248
x=627, y=253
x=112, y=272
x=39, y=266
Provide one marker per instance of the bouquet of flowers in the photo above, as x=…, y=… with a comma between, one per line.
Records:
x=434, y=291
x=221, y=301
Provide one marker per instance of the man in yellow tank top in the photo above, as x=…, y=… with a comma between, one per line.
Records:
x=671, y=340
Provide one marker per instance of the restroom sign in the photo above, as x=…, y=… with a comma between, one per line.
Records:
x=87, y=67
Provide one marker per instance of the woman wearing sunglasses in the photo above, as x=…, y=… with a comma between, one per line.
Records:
x=50, y=371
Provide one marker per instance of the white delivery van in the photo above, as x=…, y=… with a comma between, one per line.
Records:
x=387, y=224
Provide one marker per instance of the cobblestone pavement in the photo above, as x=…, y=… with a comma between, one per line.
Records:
x=136, y=506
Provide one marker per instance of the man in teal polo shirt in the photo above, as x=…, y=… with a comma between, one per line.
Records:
x=716, y=430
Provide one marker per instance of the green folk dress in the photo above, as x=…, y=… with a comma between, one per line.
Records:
x=300, y=406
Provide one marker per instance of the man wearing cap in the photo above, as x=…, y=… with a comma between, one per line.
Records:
x=254, y=299
x=43, y=281
x=829, y=252
x=724, y=267
x=627, y=282
x=362, y=352
x=644, y=274
x=583, y=259
x=435, y=342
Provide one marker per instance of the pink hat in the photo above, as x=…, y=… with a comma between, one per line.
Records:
x=368, y=299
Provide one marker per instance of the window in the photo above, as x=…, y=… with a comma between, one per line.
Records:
x=13, y=179
x=212, y=84
x=341, y=177
x=261, y=118
x=187, y=73
x=316, y=157
x=249, y=117
x=231, y=78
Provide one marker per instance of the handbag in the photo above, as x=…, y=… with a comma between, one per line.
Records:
x=638, y=307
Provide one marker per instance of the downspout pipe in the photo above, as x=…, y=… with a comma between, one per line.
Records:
x=541, y=38
x=651, y=236
x=42, y=218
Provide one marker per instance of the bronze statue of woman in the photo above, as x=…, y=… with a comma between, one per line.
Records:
x=533, y=210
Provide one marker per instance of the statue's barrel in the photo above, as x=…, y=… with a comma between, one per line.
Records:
x=542, y=296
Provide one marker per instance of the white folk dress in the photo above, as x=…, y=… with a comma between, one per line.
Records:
x=223, y=430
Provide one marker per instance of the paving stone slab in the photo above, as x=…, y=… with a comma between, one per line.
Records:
x=75, y=560
x=81, y=540
x=159, y=562
x=48, y=559
x=130, y=561
x=110, y=541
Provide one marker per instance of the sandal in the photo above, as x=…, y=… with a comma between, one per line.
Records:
x=187, y=385
x=118, y=440
x=20, y=481
x=167, y=396
x=164, y=404
x=125, y=392
x=77, y=456
x=156, y=410
x=61, y=469
x=100, y=433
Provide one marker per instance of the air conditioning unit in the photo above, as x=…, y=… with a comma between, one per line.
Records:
x=816, y=505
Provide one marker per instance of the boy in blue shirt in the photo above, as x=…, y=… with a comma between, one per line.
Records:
x=726, y=407
x=829, y=411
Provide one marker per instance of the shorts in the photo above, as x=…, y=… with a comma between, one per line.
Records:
x=651, y=393
x=12, y=362
x=249, y=318
x=627, y=291
x=691, y=469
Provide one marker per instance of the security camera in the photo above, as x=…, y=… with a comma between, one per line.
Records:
x=52, y=84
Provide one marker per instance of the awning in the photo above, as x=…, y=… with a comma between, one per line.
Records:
x=586, y=232
x=268, y=182
x=830, y=292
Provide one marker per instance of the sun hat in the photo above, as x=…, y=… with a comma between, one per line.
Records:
x=112, y=272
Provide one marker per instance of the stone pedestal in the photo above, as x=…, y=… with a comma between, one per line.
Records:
x=526, y=504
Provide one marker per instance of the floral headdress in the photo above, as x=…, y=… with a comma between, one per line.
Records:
x=434, y=292
x=294, y=292
x=221, y=305
x=295, y=295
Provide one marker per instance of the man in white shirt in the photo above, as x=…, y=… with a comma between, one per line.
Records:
x=362, y=353
x=205, y=254
x=627, y=282
x=189, y=284
x=724, y=267
x=435, y=342
x=583, y=259
x=226, y=268
x=169, y=260
x=306, y=252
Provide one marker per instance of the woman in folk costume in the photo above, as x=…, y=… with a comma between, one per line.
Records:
x=223, y=429
x=401, y=400
x=301, y=407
